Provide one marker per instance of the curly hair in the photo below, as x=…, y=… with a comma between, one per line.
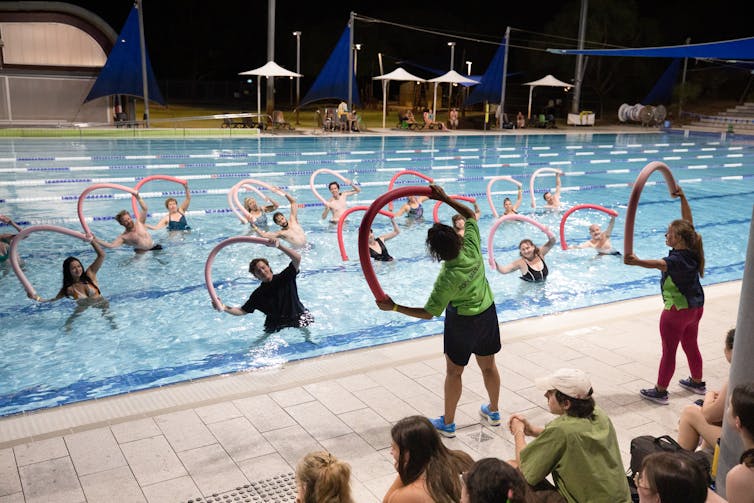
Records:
x=443, y=243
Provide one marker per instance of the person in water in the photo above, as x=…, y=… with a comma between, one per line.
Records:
x=135, y=233
x=6, y=238
x=599, y=240
x=511, y=208
x=337, y=204
x=175, y=220
x=290, y=229
x=413, y=208
x=258, y=214
x=531, y=264
x=377, y=249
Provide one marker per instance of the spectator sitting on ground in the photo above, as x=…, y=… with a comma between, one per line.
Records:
x=706, y=422
x=739, y=483
x=579, y=448
x=672, y=477
x=453, y=118
x=321, y=477
x=492, y=480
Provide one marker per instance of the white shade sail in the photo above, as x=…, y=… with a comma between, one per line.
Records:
x=271, y=69
x=452, y=77
x=397, y=74
x=547, y=80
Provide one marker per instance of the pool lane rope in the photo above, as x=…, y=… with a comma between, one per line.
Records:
x=404, y=173
x=141, y=182
x=96, y=186
x=534, y=176
x=436, y=209
x=13, y=253
x=216, y=302
x=505, y=218
x=633, y=200
x=366, y=223
x=341, y=222
x=249, y=184
x=492, y=182
x=611, y=212
x=337, y=175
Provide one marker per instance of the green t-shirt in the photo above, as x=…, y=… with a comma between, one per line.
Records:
x=462, y=281
x=583, y=456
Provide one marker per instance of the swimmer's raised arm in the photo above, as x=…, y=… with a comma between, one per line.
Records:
x=144, y=210
x=187, y=201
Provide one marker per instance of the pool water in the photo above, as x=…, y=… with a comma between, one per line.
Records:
x=160, y=328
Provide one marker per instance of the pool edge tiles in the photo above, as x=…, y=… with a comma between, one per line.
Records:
x=722, y=299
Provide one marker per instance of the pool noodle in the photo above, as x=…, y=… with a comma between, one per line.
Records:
x=489, y=190
x=96, y=186
x=597, y=207
x=211, y=258
x=13, y=253
x=235, y=203
x=324, y=170
x=535, y=175
x=366, y=223
x=342, y=220
x=436, y=210
x=402, y=173
x=150, y=178
x=512, y=216
x=633, y=200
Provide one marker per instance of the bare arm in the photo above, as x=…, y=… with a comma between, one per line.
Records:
x=187, y=201
x=265, y=234
x=439, y=194
x=294, y=207
x=557, y=185
x=609, y=229
x=272, y=206
x=713, y=408
x=10, y=222
x=519, y=198
x=93, y=269
x=547, y=246
x=292, y=254
x=402, y=210
x=115, y=244
x=685, y=208
x=159, y=225
x=516, y=265
x=415, y=312
x=143, y=214
x=647, y=264
x=355, y=187
x=391, y=235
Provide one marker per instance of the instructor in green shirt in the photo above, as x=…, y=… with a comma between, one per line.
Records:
x=471, y=326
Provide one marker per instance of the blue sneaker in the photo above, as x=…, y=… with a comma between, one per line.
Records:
x=492, y=418
x=446, y=430
x=698, y=387
x=655, y=395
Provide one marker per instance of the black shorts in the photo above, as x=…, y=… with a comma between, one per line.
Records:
x=467, y=335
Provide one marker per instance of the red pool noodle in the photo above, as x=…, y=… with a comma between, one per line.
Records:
x=633, y=200
x=13, y=253
x=96, y=186
x=211, y=258
x=366, y=223
x=403, y=173
x=597, y=207
x=489, y=190
x=342, y=220
x=149, y=178
x=512, y=216
x=436, y=210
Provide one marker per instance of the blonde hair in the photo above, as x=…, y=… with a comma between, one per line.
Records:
x=692, y=239
x=325, y=478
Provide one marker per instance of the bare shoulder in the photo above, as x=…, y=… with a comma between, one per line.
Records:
x=740, y=480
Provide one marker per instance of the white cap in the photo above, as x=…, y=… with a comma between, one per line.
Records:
x=571, y=382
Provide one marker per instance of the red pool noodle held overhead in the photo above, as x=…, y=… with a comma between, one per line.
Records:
x=563, y=244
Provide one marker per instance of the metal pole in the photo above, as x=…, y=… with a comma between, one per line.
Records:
x=505, y=71
x=270, y=99
x=681, y=95
x=579, y=59
x=297, y=34
x=452, y=56
x=350, y=62
x=143, y=49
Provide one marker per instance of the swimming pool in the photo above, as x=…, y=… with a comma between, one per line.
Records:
x=160, y=327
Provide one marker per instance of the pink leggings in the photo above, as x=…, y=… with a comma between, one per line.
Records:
x=679, y=326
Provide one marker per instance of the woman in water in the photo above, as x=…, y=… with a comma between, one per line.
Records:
x=531, y=264
x=511, y=208
x=175, y=220
x=6, y=238
x=258, y=214
x=377, y=248
x=413, y=208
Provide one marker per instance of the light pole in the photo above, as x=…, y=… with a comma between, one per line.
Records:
x=356, y=49
x=468, y=68
x=297, y=34
x=452, y=46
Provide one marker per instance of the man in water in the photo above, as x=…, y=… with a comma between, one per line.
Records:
x=135, y=233
x=600, y=241
x=290, y=230
x=553, y=198
x=337, y=203
x=277, y=296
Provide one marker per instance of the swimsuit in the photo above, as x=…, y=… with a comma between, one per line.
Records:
x=417, y=212
x=178, y=225
x=154, y=248
x=261, y=220
x=383, y=255
x=532, y=275
x=91, y=290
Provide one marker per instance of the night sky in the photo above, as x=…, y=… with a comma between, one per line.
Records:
x=214, y=41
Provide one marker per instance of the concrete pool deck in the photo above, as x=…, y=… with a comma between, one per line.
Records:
x=224, y=435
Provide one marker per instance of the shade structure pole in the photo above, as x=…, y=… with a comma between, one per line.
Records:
x=528, y=114
x=270, y=96
x=349, y=73
x=681, y=95
x=384, y=101
x=505, y=72
x=434, y=100
x=143, y=50
x=259, y=98
x=575, y=103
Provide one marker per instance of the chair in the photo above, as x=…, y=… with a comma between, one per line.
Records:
x=328, y=122
x=279, y=122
